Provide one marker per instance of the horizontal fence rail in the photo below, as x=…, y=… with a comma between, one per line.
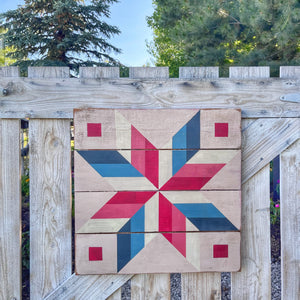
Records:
x=270, y=127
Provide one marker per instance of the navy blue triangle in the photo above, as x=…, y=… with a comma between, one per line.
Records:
x=213, y=224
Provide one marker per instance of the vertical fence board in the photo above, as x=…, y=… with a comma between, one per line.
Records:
x=150, y=286
x=254, y=280
x=10, y=210
x=249, y=72
x=99, y=72
x=48, y=72
x=290, y=221
x=149, y=72
x=201, y=286
x=50, y=205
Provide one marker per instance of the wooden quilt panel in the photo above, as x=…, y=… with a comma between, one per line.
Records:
x=157, y=191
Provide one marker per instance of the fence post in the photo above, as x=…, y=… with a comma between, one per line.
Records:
x=290, y=210
x=50, y=200
x=10, y=210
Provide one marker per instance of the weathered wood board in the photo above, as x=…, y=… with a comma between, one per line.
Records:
x=157, y=191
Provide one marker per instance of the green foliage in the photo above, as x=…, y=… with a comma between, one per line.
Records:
x=25, y=250
x=224, y=33
x=60, y=32
x=274, y=212
x=25, y=186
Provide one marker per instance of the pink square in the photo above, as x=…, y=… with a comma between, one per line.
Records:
x=220, y=251
x=95, y=253
x=93, y=129
x=221, y=129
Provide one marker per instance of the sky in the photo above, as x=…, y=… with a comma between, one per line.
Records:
x=130, y=17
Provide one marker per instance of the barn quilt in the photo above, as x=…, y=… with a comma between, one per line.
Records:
x=157, y=191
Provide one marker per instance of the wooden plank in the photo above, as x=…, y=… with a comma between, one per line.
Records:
x=50, y=205
x=200, y=286
x=10, y=210
x=263, y=140
x=254, y=280
x=117, y=295
x=290, y=221
x=198, y=72
x=48, y=72
x=292, y=72
x=249, y=72
x=41, y=98
x=99, y=72
x=146, y=72
x=9, y=72
x=89, y=287
x=150, y=286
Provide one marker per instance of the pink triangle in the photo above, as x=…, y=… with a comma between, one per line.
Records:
x=144, y=160
x=138, y=141
x=171, y=219
x=123, y=205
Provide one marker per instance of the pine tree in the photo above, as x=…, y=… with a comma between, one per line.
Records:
x=224, y=33
x=60, y=32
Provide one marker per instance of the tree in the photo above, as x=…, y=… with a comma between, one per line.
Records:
x=60, y=32
x=4, y=60
x=223, y=33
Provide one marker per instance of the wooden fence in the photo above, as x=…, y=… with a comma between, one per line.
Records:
x=271, y=127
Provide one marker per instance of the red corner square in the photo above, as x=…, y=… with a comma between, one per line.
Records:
x=95, y=253
x=220, y=251
x=221, y=129
x=93, y=129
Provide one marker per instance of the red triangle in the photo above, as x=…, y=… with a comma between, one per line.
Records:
x=123, y=205
x=192, y=177
x=171, y=219
x=138, y=141
x=146, y=159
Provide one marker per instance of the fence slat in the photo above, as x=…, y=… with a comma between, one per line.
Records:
x=150, y=286
x=249, y=72
x=290, y=221
x=254, y=280
x=149, y=72
x=99, y=72
x=10, y=210
x=88, y=287
x=198, y=72
x=263, y=140
x=200, y=286
x=9, y=71
x=48, y=72
x=50, y=205
x=116, y=295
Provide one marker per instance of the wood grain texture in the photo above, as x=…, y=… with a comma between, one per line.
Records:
x=117, y=295
x=290, y=221
x=290, y=72
x=146, y=72
x=50, y=205
x=201, y=286
x=99, y=72
x=9, y=72
x=150, y=286
x=198, y=72
x=10, y=210
x=249, y=72
x=48, y=72
x=40, y=98
x=263, y=140
x=89, y=287
x=254, y=280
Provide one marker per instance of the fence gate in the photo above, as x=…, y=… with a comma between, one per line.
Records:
x=270, y=127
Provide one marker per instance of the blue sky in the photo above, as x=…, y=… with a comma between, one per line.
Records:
x=130, y=17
